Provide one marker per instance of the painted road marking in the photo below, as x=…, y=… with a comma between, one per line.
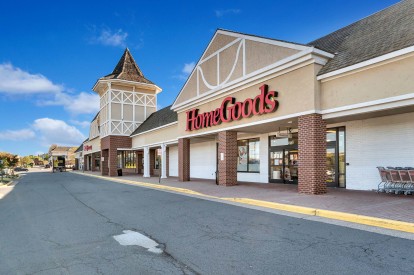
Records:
x=134, y=238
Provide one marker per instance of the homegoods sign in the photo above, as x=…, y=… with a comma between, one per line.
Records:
x=231, y=110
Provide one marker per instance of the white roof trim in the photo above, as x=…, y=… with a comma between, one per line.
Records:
x=156, y=144
x=370, y=106
x=265, y=40
x=158, y=89
x=158, y=128
x=368, y=62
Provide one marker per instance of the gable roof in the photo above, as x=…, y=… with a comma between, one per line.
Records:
x=237, y=38
x=386, y=31
x=127, y=69
x=62, y=148
x=157, y=119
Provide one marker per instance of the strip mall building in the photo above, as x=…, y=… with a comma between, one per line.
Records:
x=255, y=109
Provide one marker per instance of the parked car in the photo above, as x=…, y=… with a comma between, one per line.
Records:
x=20, y=169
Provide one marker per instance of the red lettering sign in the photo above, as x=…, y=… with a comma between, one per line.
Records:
x=87, y=147
x=230, y=110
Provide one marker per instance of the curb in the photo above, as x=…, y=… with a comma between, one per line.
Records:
x=335, y=215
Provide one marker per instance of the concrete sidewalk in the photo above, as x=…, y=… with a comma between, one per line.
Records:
x=366, y=203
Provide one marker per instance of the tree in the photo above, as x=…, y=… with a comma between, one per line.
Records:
x=26, y=160
x=8, y=159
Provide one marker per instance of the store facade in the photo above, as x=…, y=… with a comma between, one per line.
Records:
x=254, y=109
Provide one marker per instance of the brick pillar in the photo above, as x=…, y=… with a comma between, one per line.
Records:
x=113, y=161
x=168, y=161
x=152, y=161
x=227, y=168
x=85, y=162
x=184, y=159
x=139, y=162
x=312, y=154
x=93, y=162
x=104, y=163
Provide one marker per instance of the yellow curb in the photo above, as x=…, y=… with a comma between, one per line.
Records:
x=367, y=220
x=342, y=216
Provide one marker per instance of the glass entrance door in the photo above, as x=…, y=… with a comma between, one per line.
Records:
x=335, y=157
x=331, y=173
x=284, y=166
x=291, y=165
x=276, y=166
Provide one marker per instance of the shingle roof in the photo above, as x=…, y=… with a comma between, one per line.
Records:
x=157, y=119
x=386, y=31
x=127, y=69
x=62, y=148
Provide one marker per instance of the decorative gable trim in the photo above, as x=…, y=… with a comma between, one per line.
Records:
x=221, y=85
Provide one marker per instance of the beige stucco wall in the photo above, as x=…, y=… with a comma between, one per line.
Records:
x=392, y=79
x=260, y=55
x=297, y=93
x=219, y=42
x=157, y=136
x=227, y=58
x=96, y=146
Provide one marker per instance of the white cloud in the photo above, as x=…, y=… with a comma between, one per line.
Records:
x=82, y=103
x=112, y=38
x=14, y=80
x=53, y=131
x=185, y=71
x=83, y=124
x=188, y=68
x=17, y=135
x=221, y=13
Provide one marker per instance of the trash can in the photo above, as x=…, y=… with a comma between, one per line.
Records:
x=119, y=172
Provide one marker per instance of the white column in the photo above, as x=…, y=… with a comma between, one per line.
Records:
x=163, y=161
x=146, y=163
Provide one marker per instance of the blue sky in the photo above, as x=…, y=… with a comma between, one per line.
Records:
x=52, y=53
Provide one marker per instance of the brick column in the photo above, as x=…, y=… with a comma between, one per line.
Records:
x=113, y=162
x=111, y=143
x=312, y=154
x=184, y=159
x=85, y=162
x=152, y=161
x=139, y=162
x=167, y=164
x=227, y=167
x=104, y=163
x=93, y=162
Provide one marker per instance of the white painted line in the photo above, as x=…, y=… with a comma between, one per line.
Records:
x=134, y=238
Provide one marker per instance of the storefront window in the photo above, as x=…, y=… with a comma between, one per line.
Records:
x=126, y=159
x=157, y=158
x=249, y=155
